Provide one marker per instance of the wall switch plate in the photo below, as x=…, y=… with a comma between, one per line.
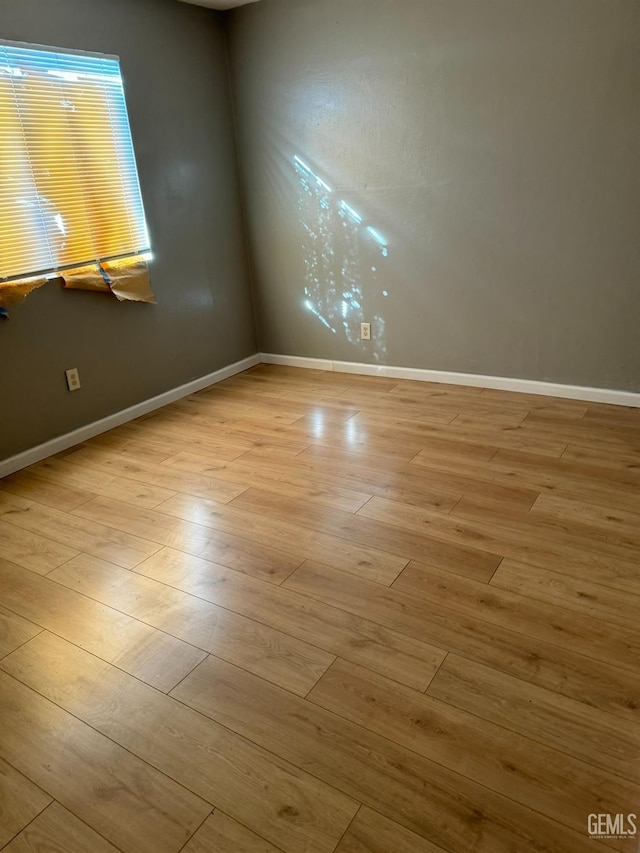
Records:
x=365, y=331
x=73, y=379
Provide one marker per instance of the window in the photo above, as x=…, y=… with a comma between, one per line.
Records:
x=69, y=191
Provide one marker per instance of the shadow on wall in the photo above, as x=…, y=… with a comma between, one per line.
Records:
x=345, y=261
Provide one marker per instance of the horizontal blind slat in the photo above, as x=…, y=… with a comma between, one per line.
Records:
x=69, y=189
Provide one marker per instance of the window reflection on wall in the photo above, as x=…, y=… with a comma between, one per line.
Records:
x=345, y=258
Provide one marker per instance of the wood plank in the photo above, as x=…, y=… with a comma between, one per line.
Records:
x=547, y=525
x=616, y=644
x=361, y=528
x=577, y=729
x=233, y=404
x=614, y=415
x=375, y=457
x=556, y=410
x=431, y=440
x=137, y=648
x=227, y=442
x=29, y=484
x=324, y=378
x=420, y=389
x=20, y=802
x=494, y=428
x=273, y=798
x=577, y=549
x=499, y=397
x=446, y=412
x=370, y=832
x=433, y=395
x=493, y=433
x=288, y=394
x=409, y=483
x=279, y=481
x=280, y=371
x=235, y=401
x=604, y=411
x=572, y=593
x=222, y=834
x=56, y=830
x=158, y=659
x=91, y=537
x=594, y=436
x=426, y=798
x=195, y=405
x=608, y=517
x=262, y=450
x=136, y=449
x=150, y=447
x=260, y=437
x=352, y=477
x=157, y=479
x=497, y=531
x=100, y=482
x=323, y=419
x=14, y=631
x=32, y=551
x=132, y=805
x=168, y=436
x=547, y=780
x=309, y=394
x=349, y=437
x=277, y=656
x=337, y=632
x=224, y=407
x=186, y=513
x=375, y=401
x=609, y=419
x=561, y=477
x=602, y=686
x=235, y=552
x=593, y=484
x=320, y=396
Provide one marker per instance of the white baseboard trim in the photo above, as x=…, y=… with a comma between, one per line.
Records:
x=62, y=442
x=301, y=361
x=502, y=383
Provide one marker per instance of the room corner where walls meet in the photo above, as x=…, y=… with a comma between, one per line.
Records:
x=464, y=176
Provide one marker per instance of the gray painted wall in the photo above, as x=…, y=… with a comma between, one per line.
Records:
x=493, y=144
x=175, y=70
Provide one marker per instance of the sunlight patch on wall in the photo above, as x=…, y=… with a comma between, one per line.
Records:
x=344, y=260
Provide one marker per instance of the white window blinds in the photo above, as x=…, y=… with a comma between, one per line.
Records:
x=69, y=191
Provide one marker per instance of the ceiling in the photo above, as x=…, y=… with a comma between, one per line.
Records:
x=220, y=4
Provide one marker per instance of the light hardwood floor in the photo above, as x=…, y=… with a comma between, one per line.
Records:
x=306, y=612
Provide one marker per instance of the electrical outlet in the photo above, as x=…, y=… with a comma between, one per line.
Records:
x=73, y=379
x=365, y=331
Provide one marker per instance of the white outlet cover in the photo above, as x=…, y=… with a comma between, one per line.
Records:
x=73, y=379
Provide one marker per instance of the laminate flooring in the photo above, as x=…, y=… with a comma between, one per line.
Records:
x=312, y=612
